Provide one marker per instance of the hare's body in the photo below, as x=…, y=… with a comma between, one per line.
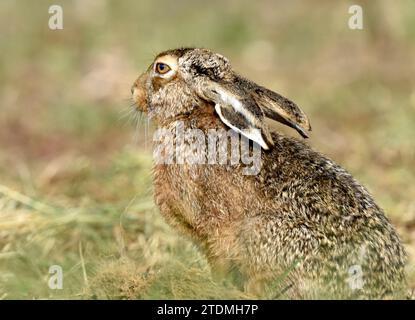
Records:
x=302, y=214
x=302, y=224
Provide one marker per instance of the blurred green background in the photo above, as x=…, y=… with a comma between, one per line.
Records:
x=75, y=172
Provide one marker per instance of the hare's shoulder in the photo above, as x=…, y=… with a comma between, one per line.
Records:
x=295, y=171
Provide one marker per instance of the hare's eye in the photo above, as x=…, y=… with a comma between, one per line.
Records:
x=162, y=68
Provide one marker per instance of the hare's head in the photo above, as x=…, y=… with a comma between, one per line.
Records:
x=182, y=80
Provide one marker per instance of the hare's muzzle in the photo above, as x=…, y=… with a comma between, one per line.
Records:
x=138, y=91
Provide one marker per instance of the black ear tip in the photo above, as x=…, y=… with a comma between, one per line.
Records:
x=305, y=136
x=301, y=131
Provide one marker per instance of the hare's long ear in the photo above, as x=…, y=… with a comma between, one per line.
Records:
x=281, y=109
x=239, y=112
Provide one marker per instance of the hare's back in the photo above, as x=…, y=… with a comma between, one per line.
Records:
x=310, y=186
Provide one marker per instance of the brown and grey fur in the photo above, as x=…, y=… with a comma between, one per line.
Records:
x=302, y=222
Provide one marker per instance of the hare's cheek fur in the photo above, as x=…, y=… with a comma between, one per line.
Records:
x=164, y=101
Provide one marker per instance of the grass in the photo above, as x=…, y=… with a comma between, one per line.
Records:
x=75, y=175
x=106, y=251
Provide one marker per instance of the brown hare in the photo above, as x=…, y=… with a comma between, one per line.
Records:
x=299, y=226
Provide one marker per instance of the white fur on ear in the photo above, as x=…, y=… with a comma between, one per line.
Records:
x=236, y=104
x=253, y=134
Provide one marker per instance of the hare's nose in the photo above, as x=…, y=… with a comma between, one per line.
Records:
x=133, y=89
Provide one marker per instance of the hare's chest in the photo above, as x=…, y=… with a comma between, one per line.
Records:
x=179, y=194
x=201, y=199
